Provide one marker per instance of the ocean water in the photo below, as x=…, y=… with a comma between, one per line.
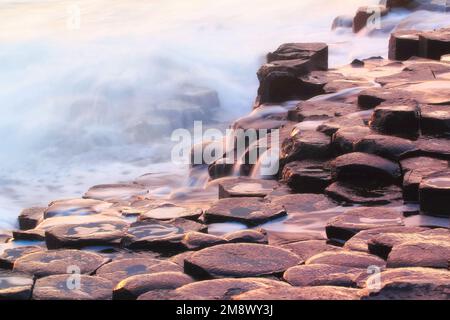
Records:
x=90, y=90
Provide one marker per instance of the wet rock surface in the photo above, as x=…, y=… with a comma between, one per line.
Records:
x=323, y=275
x=307, y=176
x=347, y=259
x=9, y=256
x=239, y=260
x=29, y=218
x=246, y=187
x=15, y=285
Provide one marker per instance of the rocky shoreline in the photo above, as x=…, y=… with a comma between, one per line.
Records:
x=366, y=145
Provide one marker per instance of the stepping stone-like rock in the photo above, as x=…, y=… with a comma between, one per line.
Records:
x=435, y=44
x=345, y=226
x=354, y=193
x=160, y=236
x=418, y=163
x=86, y=234
x=320, y=110
x=279, y=238
x=216, y=289
x=304, y=202
x=72, y=287
x=403, y=45
x=131, y=288
x=247, y=236
x=313, y=84
x=75, y=207
x=115, y=192
x=249, y=210
x=290, y=51
x=305, y=145
x=388, y=147
x=396, y=119
x=410, y=284
x=413, y=178
x=179, y=258
x=344, y=139
x=371, y=98
x=246, y=187
x=29, y=235
x=363, y=166
x=198, y=240
x=9, y=256
x=360, y=241
x=364, y=14
x=168, y=211
x=15, y=286
x=29, y=218
x=323, y=275
x=330, y=127
x=382, y=243
x=307, y=176
x=301, y=293
x=240, y=260
x=433, y=147
x=309, y=248
x=435, y=119
x=433, y=254
x=121, y=269
x=434, y=193
x=347, y=259
x=45, y=263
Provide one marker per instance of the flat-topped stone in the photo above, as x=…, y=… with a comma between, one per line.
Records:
x=305, y=145
x=198, y=240
x=434, y=147
x=301, y=293
x=431, y=253
x=121, y=269
x=322, y=275
x=15, y=285
x=168, y=211
x=434, y=193
x=330, y=127
x=345, y=139
x=410, y=284
x=360, y=194
x=240, y=260
x=320, y=110
x=403, y=45
x=115, y=192
x=435, y=119
x=304, y=202
x=132, y=287
x=45, y=263
x=307, y=176
x=29, y=218
x=248, y=210
x=291, y=51
x=309, y=248
x=345, y=226
x=246, y=187
x=396, y=119
x=434, y=44
x=389, y=147
x=9, y=256
x=344, y=258
x=247, y=236
x=75, y=207
x=86, y=234
x=62, y=287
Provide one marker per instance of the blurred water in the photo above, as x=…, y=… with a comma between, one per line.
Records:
x=96, y=102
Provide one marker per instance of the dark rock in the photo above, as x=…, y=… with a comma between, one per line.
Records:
x=9, y=256
x=433, y=254
x=119, y=270
x=352, y=259
x=318, y=52
x=354, y=193
x=246, y=187
x=418, y=163
x=179, y=258
x=314, y=83
x=339, y=85
x=399, y=119
x=305, y=145
x=345, y=226
x=247, y=236
x=345, y=138
x=361, y=166
x=168, y=211
x=31, y=217
x=62, y=287
x=131, y=288
x=322, y=275
x=382, y=244
x=320, y=110
x=307, y=176
x=360, y=241
x=249, y=210
x=435, y=44
x=305, y=202
x=45, y=263
x=29, y=235
x=15, y=286
x=364, y=14
x=343, y=21
x=385, y=146
x=309, y=248
x=301, y=293
x=160, y=236
x=75, y=207
x=371, y=98
x=197, y=240
x=434, y=193
x=220, y=168
x=410, y=284
x=115, y=192
x=404, y=45
x=433, y=147
x=435, y=120
x=86, y=234
x=398, y=3
x=239, y=260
